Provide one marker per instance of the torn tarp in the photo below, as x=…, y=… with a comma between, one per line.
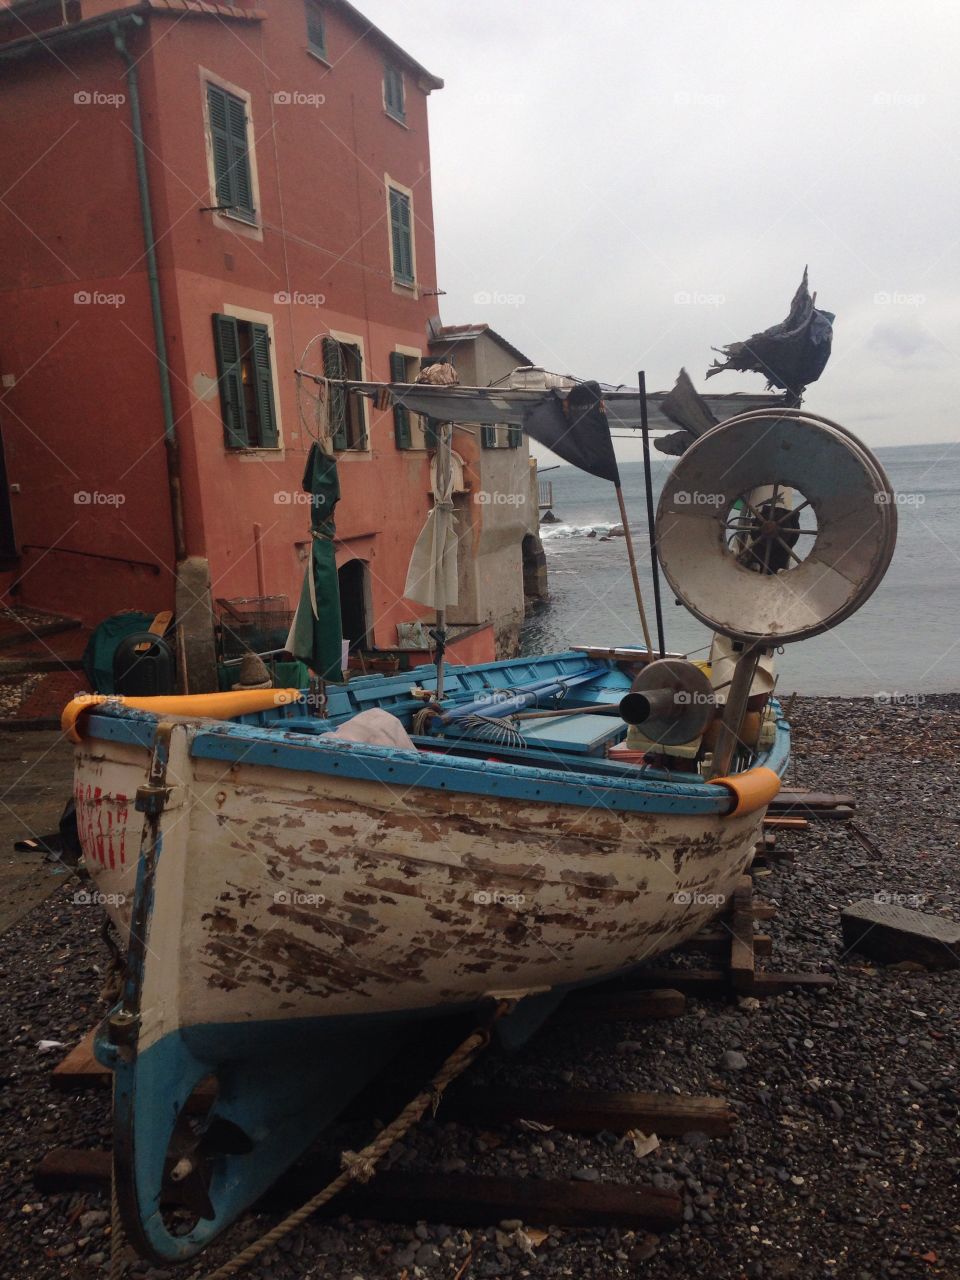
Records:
x=686, y=407
x=790, y=355
x=575, y=428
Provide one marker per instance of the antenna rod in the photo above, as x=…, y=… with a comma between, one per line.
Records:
x=651, y=523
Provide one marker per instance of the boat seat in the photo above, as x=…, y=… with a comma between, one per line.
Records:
x=584, y=734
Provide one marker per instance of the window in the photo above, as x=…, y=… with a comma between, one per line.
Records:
x=231, y=158
x=400, y=371
x=498, y=437
x=316, y=34
x=401, y=237
x=393, y=93
x=246, y=383
x=348, y=424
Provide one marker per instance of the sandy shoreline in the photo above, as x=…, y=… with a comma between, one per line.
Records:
x=844, y=1162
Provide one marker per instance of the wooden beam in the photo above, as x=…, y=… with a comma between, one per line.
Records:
x=475, y=1200
x=590, y=1110
x=606, y=1004
x=460, y=1199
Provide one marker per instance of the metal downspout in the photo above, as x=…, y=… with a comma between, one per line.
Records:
x=153, y=277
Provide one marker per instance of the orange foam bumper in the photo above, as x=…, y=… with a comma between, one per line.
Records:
x=211, y=706
x=751, y=790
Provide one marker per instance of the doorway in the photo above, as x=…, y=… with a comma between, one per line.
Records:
x=354, y=583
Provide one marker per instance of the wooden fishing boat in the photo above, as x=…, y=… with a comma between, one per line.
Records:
x=295, y=892
x=278, y=887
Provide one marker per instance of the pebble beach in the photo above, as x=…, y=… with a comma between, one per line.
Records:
x=844, y=1162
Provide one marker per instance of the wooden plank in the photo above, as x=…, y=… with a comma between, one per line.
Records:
x=773, y=984
x=474, y=1200
x=458, y=1199
x=742, y=959
x=786, y=824
x=764, y=910
x=811, y=800
x=613, y=1004
x=80, y=1069
x=716, y=942
x=590, y=1110
x=694, y=982
x=70, y=1169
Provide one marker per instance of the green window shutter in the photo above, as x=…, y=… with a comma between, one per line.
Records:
x=239, y=159
x=316, y=36
x=401, y=236
x=266, y=408
x=401, y=414
x=226, y=338
x=515, y=437
x=393, y=91
x=231, y=159
x=488, y=437
x=333, y=368
x=220, y=140
x=431, y=432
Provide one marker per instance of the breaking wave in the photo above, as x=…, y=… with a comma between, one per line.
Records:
x=550, y=532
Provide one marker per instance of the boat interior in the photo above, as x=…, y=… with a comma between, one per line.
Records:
x=573, y=725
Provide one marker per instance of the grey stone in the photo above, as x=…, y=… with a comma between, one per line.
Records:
x=733, y=1060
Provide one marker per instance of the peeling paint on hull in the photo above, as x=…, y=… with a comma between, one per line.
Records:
x=310, y=896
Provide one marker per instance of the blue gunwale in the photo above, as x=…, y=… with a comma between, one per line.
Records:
x=290, y=751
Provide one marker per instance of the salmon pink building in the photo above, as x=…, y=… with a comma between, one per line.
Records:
x=201, y=198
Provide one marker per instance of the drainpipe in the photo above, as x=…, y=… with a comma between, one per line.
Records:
x=153, y=278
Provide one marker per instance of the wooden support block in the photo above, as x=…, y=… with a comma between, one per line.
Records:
x=694, y=982
x=890, y=933
x=764, y=910
x=607, y=1004
x=474, y=1200
x=786, y=824
x=71, y=1169
x=460, y=1199
x=80, y=1069
x=590, y=1111
x=716, y=942
x=742, y=960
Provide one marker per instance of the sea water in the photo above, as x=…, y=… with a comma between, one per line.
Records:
x=905, y=640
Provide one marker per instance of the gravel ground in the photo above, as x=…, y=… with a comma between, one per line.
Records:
x=844, y=1162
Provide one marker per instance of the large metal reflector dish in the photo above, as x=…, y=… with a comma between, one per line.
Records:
x=775, y=526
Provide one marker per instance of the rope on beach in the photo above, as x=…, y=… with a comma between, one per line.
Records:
x=360, y=1166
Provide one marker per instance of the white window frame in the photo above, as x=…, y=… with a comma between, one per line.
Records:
x=230, y=221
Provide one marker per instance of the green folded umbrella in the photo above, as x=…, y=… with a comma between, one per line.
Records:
x=315, y=636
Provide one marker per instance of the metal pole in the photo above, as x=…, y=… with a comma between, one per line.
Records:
x=651, y=523
x=633, y=568
x=170, y=440
x=445, y=443
x=734, y=711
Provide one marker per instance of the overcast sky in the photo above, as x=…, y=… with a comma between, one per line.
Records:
x=593, y=164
